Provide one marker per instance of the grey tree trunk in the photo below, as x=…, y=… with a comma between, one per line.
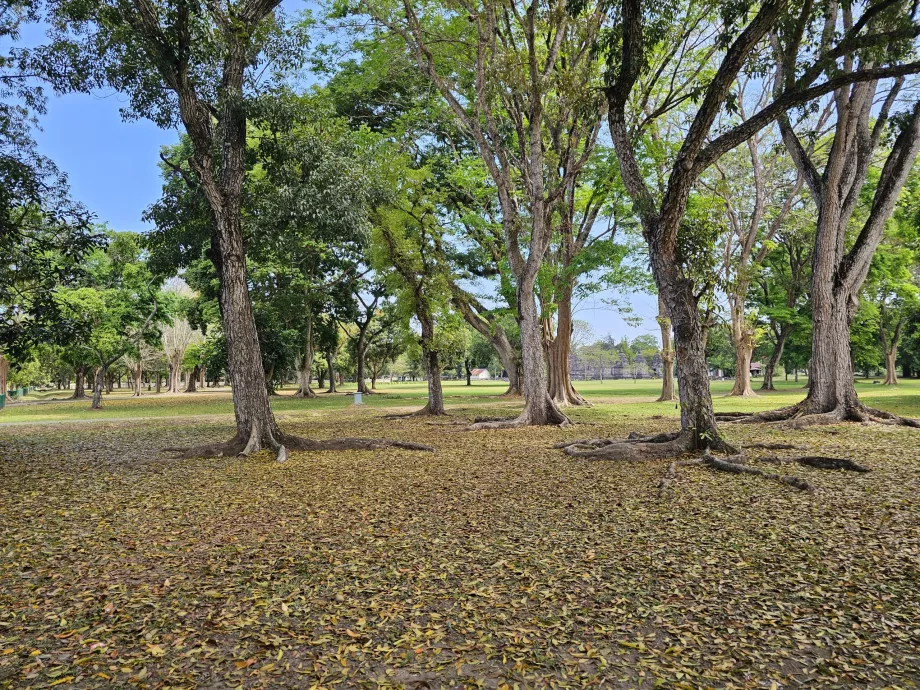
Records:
x=667, y=354
x=79, y=386
x=775, y=357
x=330, y=369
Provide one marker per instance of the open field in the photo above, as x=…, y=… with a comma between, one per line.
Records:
x=494, y=562
x=607, y=395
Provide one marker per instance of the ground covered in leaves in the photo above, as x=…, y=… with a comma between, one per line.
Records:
x=495, y=562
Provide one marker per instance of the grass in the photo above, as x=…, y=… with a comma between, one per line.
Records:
x=494, y=562
x=608, y=395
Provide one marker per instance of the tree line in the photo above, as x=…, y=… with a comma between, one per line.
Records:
x=484, y=167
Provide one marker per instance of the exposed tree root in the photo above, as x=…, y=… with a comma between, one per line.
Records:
x=802, y=416
x=554, y=417
x=424, y=412
x=819, y=462
x=774, y=446
x=639, y=447
x=736, y=464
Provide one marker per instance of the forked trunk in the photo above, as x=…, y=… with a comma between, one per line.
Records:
x=192, y=386
x=539, y=407
x=770, y=370
x=558, y=348
x=667, y=354
x=305, y=365
x=891, y=375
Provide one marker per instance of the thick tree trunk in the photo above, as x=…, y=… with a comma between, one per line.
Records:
x=775, y=357
x=539, y=407
x=192, y=386
x=79, y=386
x=891, y=374
x=557, y=351
x=469, y=372
x=743, y=340
x=667, y=354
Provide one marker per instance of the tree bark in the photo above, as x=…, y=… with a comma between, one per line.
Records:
x=558, y=347
x=435, y=404
x=891, y=374
x=667, y=354
x=79, y=386
x=98, y=385
x=192, y=386
x=305, y=368
x=330, y=368
x=775, y=357
x=467, y=366
x=743, y=340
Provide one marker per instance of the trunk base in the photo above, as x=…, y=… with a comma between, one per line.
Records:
x=636, y=447
x=301, y=393
x=806, y=414
x=550, y=416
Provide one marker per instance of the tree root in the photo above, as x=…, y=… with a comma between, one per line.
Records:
x=736, y=464
x=819, y=462
x=637, y=447
x=802, y=416
x=424, y=412
x=774, y=446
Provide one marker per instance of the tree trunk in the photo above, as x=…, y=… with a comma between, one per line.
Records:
x=159, y=381
x=469, y=372
x=305, y=368
x=435, y=405
x=98, y=385
x=777, y=354
x=192, y=386
x=330, y=368
x=667, y=354
x=558, y=348
x=320, y=378
x=891, y=374
x=360, y=354
x=697, y=420
x=138, y=380
x=743, y=339
x=79, y=386
x=539, y=407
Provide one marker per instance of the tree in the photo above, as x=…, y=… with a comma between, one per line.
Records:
x=405, y=237
x=116, y=309
x=876, y=44
x=653, y=47
x=507, y=102
x=201, y=65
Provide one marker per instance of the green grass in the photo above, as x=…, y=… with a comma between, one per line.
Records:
x=630, y=398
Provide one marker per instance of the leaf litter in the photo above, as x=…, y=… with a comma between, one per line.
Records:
x=495, y=562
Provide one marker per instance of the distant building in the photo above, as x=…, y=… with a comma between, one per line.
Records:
x=480, y=374
x=756, y=368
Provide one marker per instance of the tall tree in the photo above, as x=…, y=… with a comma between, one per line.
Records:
x=650, y=46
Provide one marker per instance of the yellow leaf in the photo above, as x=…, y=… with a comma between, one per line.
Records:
x=61, y=681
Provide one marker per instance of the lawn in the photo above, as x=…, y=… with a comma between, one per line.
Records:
x=494, y=562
